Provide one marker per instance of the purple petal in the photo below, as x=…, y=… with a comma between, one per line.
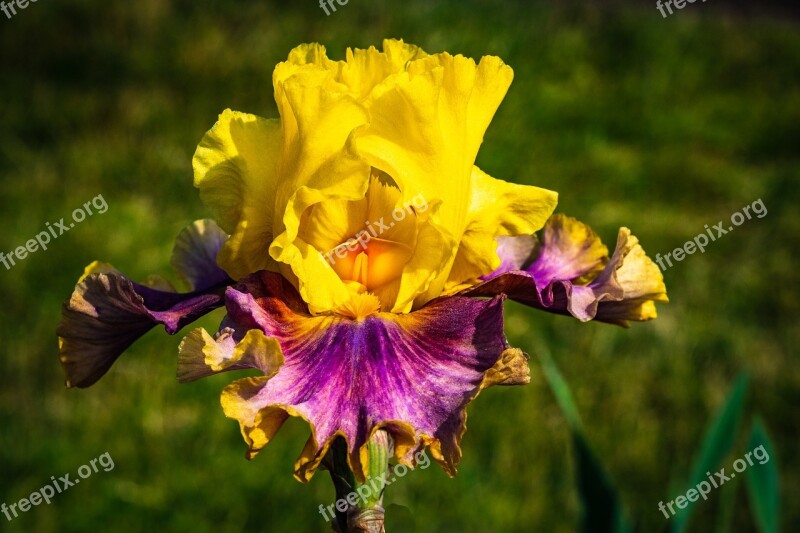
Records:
x=108, y=312
x=570, y=273
x=195, y=254
x=413, y=374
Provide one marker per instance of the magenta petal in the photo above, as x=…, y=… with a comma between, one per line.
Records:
x=413, y=373
x=108, y=312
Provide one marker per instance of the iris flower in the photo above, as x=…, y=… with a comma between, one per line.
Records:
x=362, y=259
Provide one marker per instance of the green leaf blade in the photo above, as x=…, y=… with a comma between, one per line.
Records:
x=763, y=485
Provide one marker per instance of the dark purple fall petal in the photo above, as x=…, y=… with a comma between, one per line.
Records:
x=108, y=312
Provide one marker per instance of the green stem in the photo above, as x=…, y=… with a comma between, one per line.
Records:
x=366, y=515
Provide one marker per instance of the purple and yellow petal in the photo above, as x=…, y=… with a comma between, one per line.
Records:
x=412, y=374
x=569, y=272
x=570, y=250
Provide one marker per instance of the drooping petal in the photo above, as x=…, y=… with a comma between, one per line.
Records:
x=236, y=170
x=108, y=312
x=412, y=374
x=569, y=273
x=194, y=256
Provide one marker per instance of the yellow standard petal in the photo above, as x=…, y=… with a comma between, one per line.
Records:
x=236, y=170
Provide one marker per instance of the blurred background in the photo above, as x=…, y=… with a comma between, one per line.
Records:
x=659, y=124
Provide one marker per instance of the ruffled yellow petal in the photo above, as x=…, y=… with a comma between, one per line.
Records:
x=317, y=164
x=426, y=125
x=412, y=121
x=361, y=71
x=639, y=276
x=640, y=279
x=236, y=170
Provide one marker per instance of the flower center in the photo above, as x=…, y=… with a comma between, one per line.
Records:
x=370, y=261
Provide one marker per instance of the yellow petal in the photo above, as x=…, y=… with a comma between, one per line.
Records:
x=235, y=168
x=361, y=71
x=426, y=125
x=432, y=256
x=317, y=165
x=639, y=276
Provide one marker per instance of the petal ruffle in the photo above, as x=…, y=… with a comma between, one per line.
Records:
x=108, y=312
x=362, y=70
x=569, y=273
x=412, y=374
x=511, y=369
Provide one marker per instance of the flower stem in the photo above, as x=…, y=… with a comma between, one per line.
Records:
x=367, y=514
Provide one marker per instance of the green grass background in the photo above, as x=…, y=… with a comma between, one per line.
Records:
x=662, y=125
